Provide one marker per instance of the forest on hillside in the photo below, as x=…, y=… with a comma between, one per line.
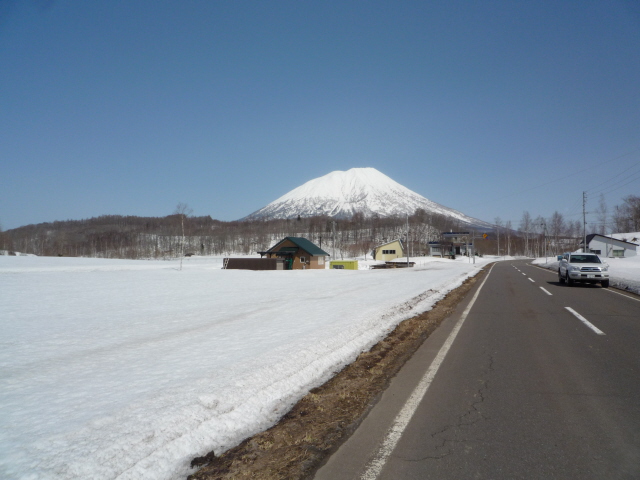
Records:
x=116, y=236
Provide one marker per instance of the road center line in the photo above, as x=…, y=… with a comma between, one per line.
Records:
x=532, y=280
x=374, y=467
x=546, y=291
x=585, y=321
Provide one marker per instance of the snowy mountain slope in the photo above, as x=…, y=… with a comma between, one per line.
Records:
x=341, y=194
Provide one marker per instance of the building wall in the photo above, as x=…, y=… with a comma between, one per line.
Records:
x=435, y=250
x=394, y=246
x=315, y=262
x=344, y=264
x=610, y=248
x=253, y=264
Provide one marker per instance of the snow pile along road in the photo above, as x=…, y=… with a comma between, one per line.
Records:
x=128, y=369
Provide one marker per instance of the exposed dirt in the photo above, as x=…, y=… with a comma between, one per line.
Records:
x=296, y=446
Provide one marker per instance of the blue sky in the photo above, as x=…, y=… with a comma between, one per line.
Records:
x=488, y=107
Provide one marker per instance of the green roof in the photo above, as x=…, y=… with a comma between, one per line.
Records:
x=309, y=247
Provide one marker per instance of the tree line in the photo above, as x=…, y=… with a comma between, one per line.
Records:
x=557, y=234
x=179, y=234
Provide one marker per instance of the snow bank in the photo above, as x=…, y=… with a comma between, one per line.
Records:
x=128, y=369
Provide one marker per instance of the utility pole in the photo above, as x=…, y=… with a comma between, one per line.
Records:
x=407, y=240
x=544, y=230
x=473, y=243
x=584, y=222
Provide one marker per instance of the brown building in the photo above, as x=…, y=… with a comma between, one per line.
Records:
x=298, y=254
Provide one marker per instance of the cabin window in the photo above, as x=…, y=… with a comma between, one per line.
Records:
x=303, y=259
x=388, y=252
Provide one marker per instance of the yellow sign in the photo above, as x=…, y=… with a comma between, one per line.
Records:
x=484, y=235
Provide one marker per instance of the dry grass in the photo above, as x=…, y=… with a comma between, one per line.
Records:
x=317, y=424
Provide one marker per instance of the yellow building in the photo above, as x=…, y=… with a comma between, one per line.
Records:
x=344, y=264
x=389, y=251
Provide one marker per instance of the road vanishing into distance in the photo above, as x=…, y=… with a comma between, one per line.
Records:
x=527, y=379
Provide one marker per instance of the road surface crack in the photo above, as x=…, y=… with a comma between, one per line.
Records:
x=452, y=435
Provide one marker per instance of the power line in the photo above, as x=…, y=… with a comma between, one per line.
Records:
x=609, y=188
x=564, y=178
x=618, y=187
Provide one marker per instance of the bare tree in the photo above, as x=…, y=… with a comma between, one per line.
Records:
x=539, y=229
x=525, y=228
x=498, y=223
x=557, y=227
x=183, y=210
x=627, y=216
x=601, y=211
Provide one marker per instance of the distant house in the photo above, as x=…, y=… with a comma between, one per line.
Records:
x=609, y=247
x=453, y=243
x=389, y=251
x=435, y=249
x=298, y=254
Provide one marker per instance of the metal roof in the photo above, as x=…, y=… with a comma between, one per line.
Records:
x=593, y=235
x=389, y=243
x=304, y=244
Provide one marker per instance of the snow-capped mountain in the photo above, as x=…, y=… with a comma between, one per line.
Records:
x=341, y=194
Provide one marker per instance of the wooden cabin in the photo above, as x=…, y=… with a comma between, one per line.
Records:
x=298, y=254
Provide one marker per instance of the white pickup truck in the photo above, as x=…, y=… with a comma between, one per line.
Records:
x=582, y=267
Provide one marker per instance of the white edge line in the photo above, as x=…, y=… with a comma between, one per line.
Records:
x=374, y=467
x=585, y=321
x=546, y=291
x=605, y=289
x=618, y=293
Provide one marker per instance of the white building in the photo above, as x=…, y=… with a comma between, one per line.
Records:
x=609, y=247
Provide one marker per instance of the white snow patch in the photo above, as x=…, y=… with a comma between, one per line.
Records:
x=128, y=369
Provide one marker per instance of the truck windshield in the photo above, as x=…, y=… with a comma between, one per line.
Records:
x=585, y=259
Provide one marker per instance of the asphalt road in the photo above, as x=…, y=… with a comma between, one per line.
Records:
x=527, y=389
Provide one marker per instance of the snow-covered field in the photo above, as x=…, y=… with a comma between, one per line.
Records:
x=624, y=273
x=128, y=369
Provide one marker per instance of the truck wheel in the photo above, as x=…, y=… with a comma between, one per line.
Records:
x=605, y=283
x=569, y=280
x=560, y=277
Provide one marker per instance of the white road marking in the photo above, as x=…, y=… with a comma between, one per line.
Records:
x=555, y=272
x=585, y=321
x=523, y=273
x=618, y=293
x=374, y=467
x=531, y=279
x=546, y=291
